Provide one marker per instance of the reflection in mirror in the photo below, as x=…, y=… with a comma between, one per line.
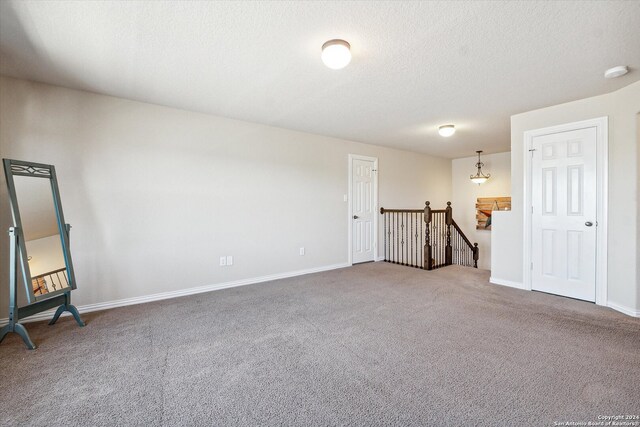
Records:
x=41, y=234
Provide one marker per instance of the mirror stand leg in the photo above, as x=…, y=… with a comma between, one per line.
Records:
x=59, y=311
x=76, y=315
x=4, y=331
x=20, y=330
x=71, y=309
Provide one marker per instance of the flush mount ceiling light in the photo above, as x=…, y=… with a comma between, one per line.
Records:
x=336, y=54
x=479, y=177
x=446, y=130
x=614, y=72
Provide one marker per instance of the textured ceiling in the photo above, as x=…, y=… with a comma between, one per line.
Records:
x=415, y=64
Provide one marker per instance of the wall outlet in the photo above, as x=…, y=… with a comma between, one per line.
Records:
x=229, y=260
x=344, y=197
x=223, y=261
x=302, y=251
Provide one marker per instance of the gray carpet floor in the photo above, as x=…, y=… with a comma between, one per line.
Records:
x=375, y=344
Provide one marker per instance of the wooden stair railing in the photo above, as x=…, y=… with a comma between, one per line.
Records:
x=50, y=281
x=426, y=238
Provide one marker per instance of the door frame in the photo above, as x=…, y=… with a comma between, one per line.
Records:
x=351, y=158
x=602, y=163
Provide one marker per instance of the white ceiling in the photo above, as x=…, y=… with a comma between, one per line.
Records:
x=415, y=65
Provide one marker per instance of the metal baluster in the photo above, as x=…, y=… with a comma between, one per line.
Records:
x=437, y=239
x=441, y=242
x=421, y=240
x=402, y=228
x=393, y=237
x=454, y=247
x=418, y=241
x=384, y=218
x=417, y=216
x=440, y=238
x=411, y=239
x=405, y=245
x=389, y=236
x=406, y=232
x=396, y=233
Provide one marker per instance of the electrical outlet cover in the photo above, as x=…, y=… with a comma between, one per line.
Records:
x=229, y=260
x=223, y=261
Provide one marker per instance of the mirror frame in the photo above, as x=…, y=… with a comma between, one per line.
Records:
x=37, y=171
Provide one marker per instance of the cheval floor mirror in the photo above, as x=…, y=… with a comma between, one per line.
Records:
x=39, y=247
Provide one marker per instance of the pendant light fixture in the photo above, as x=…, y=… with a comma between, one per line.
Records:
x=479, y=177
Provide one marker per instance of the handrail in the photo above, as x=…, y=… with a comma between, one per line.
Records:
x=42, y=286
x=424, y=238
x=455, y=225
x=383, y=210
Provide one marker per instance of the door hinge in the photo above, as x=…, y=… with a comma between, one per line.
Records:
x=531, y=209
x=532, y=266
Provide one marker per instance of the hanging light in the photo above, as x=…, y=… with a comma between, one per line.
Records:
x=446, y=130
x=336, y=54
x=479, y=177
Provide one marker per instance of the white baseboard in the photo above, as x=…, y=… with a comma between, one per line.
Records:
x=179, y=293
x=622, y=309
x=379, y=258
x=508, y=283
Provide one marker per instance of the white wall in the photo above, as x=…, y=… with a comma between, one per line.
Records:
x=621, y=107
x=46, y=255
x=156, y=195
x=465, y=193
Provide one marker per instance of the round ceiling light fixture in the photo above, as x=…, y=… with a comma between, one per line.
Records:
x=336, y=54
x=614, y=72
x=446, y=130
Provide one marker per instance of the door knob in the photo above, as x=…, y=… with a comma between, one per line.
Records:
x=588, y=223
x=356, y=217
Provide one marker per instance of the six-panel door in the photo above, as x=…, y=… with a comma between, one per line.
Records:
x=564, y=214
x=363, y=209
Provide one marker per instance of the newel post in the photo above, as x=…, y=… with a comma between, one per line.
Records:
x=476, y=255
x=448, y=251
x=427, y=265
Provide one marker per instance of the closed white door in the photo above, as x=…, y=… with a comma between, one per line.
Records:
x=363, y=210
x=564, y=213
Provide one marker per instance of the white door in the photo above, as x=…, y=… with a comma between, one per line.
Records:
x=563, y=219
x=363, y=210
